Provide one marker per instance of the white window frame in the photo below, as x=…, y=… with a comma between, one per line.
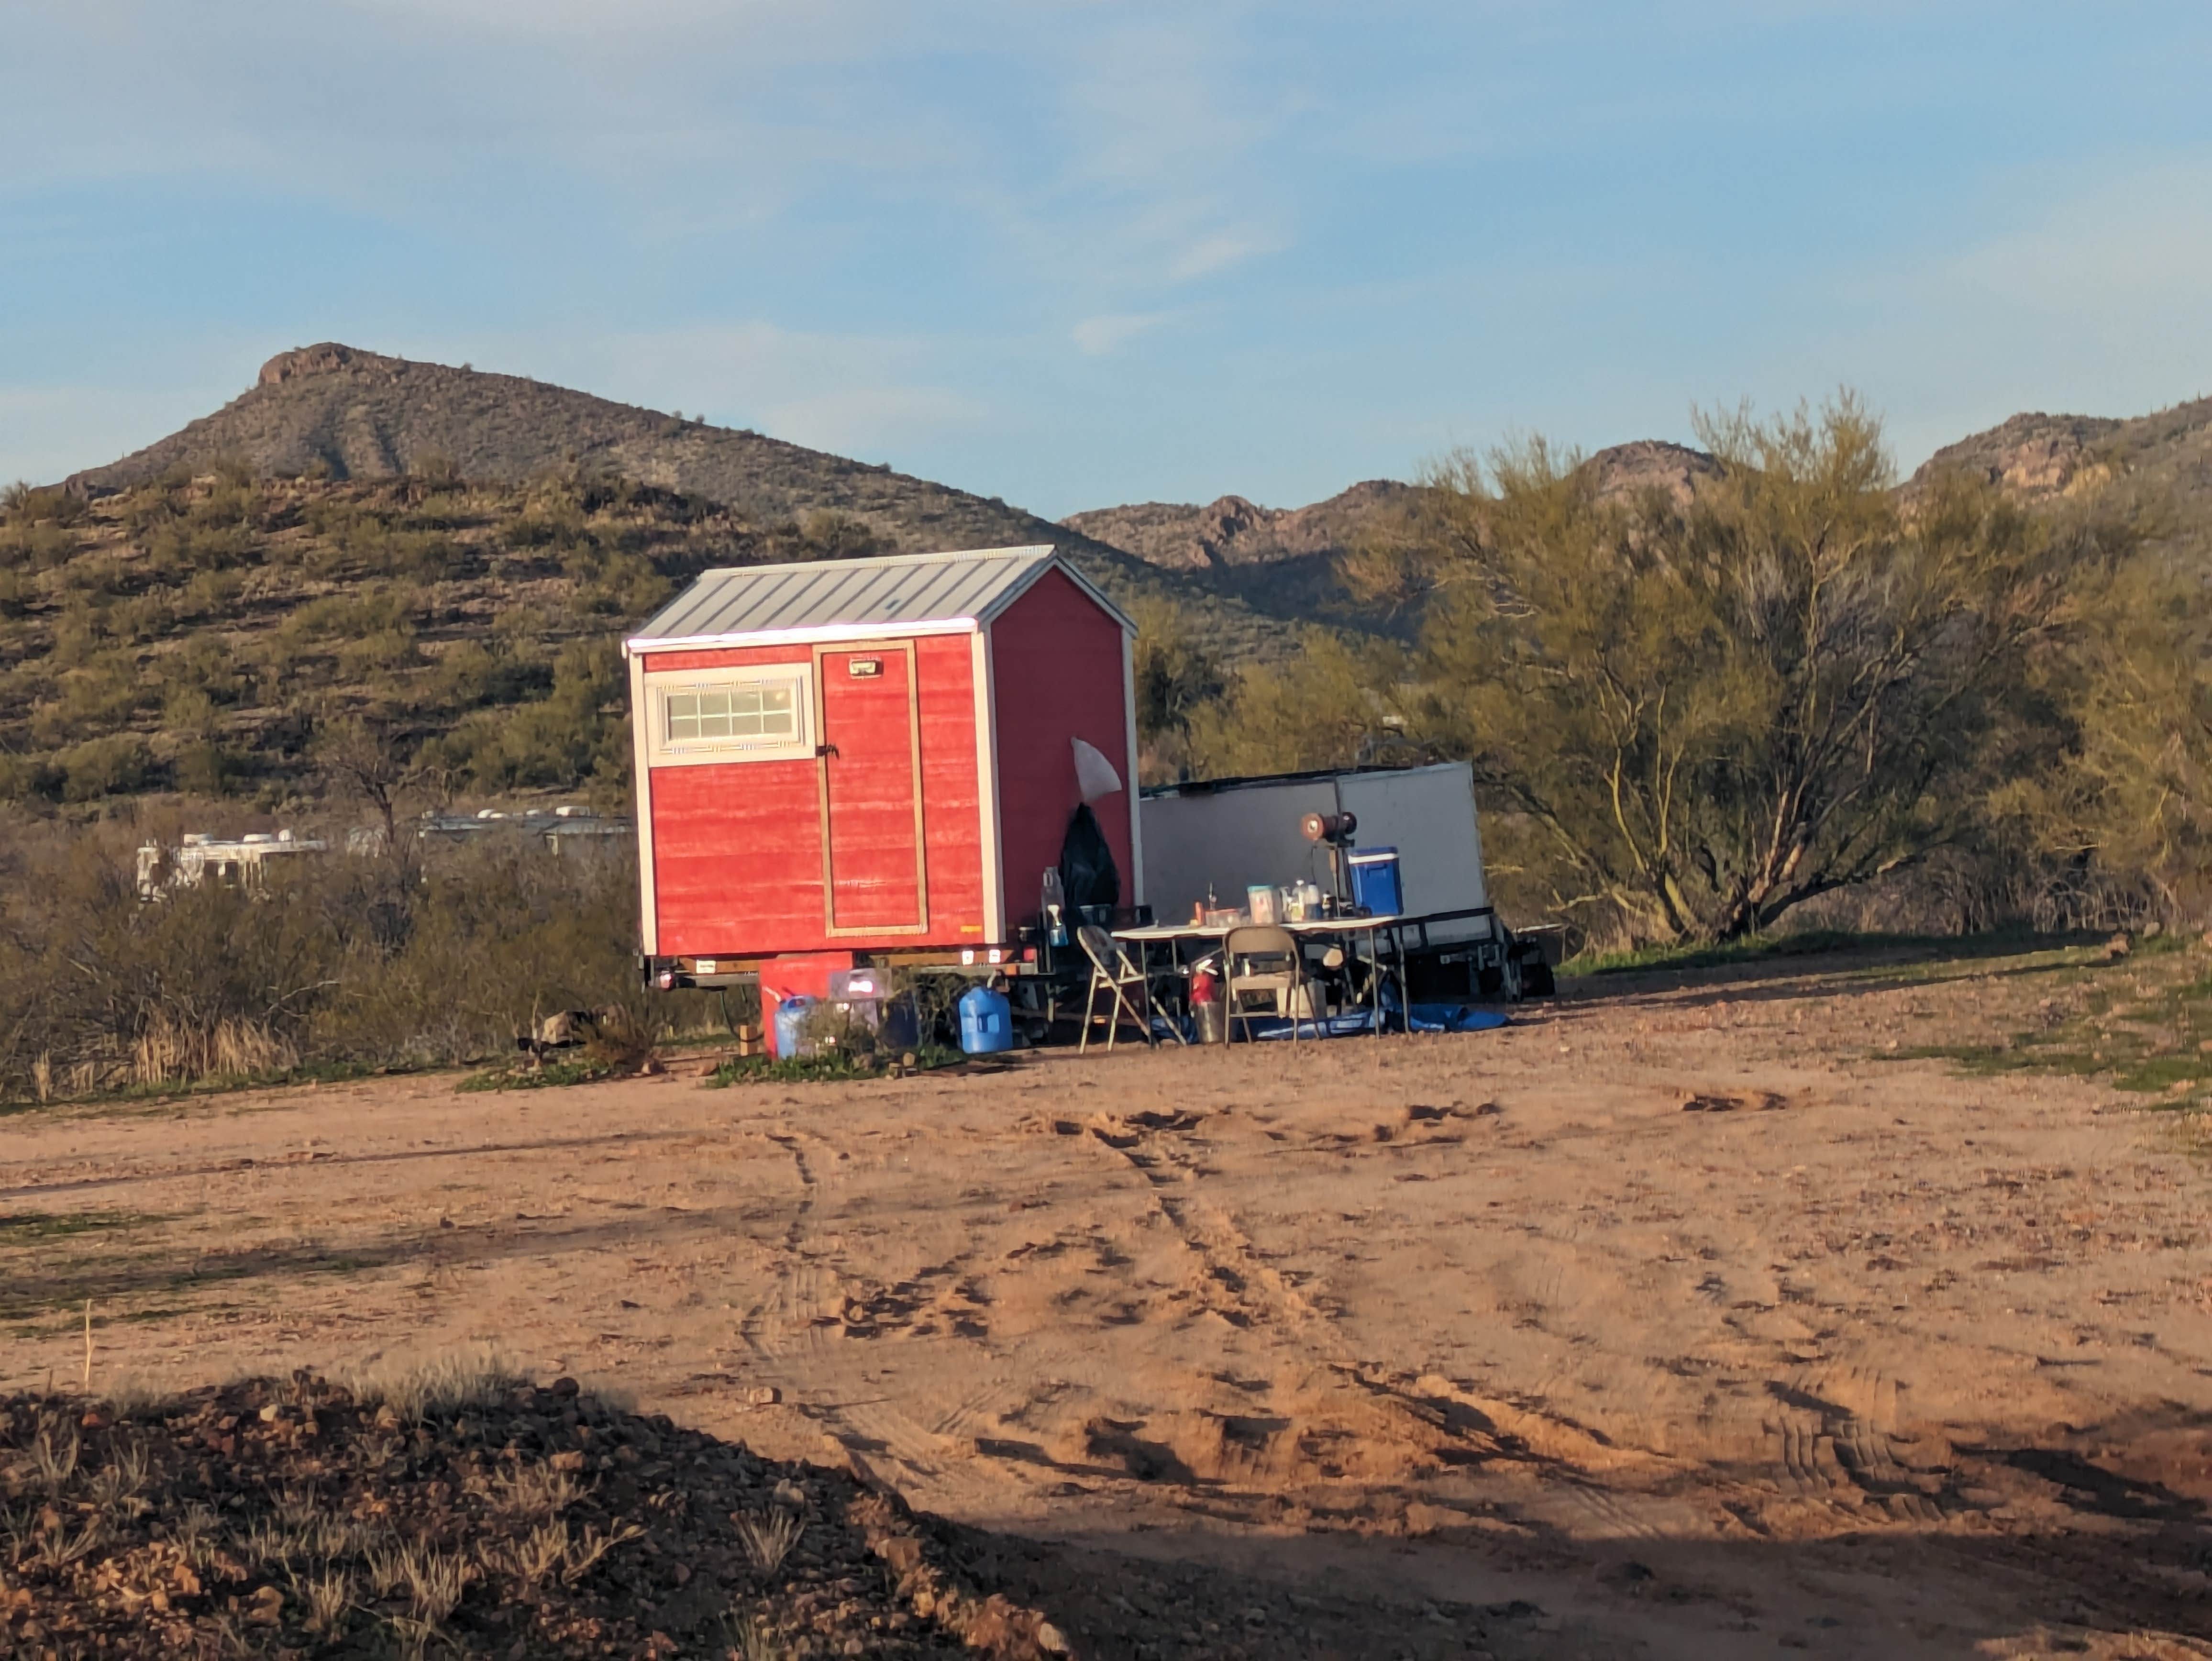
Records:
x=662, y=752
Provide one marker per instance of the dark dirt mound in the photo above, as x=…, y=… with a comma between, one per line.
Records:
x=479, y=1516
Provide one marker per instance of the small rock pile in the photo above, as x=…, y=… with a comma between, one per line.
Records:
x=296, y=1517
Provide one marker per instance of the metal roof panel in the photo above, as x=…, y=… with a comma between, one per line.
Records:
x=966, y=586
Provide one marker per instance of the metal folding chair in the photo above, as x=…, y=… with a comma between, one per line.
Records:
x=1260, y=959
x=1112, y=973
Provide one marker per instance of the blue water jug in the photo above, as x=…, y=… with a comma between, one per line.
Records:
x=791, y=1026
x=987, y=1021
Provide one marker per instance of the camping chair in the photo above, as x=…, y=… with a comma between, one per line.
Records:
x=1270, y=960
x=1112, y=972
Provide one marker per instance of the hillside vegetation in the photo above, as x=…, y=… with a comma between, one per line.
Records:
x=199, y=632
x=336, y=412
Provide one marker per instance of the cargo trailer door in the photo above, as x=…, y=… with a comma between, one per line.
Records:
x=873, y=878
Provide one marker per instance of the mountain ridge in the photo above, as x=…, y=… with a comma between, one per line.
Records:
x=344, y=413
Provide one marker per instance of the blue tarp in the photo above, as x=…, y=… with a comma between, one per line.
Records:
x=1425, y=1018
x=1454, y=1018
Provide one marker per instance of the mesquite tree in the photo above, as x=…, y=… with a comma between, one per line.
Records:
x=1718, y=702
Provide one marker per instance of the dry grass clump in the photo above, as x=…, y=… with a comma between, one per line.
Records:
x=416, y=1387
x=169, y=1051
x=769, y=1540
x=442, y=1506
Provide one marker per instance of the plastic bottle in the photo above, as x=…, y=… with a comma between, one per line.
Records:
x=791, y=1027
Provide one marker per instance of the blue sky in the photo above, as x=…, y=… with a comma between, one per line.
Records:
x=1084, y=254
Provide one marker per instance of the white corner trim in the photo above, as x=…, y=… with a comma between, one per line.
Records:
x=987, y=788
x=1136, y=808
x=641, y=718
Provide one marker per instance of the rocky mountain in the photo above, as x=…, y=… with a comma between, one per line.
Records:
x=2159, y=464
x=1281, y=562
x=336, y=412
x=1232, y=532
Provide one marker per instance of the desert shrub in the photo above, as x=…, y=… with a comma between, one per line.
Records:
x=210, y=594
x=78, y=632
x=201, y=666
x=388, y=651
x=184, y=544
x=334, y=960
x=24, y=504
x=95, y=701
x=97, y=575
x=581, y=729
x=1177, y=679
x=110, y=766
x=206, y=767
x=30, y=778
x=470, y=673
x=142, y=618
x=826, y=533
x=42, y=547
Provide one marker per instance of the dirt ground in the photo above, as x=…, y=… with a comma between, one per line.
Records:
x=1681, y=1318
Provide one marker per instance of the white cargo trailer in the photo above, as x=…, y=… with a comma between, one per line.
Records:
x=1216, y=838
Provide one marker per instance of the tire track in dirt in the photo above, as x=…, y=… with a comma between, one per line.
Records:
x=1336, y=1420
x=815, y=1328
x=1824, y=1440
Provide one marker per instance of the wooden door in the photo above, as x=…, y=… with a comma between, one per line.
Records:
x=873, y=875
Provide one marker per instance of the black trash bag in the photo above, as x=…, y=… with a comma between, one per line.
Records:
x=1086, y=864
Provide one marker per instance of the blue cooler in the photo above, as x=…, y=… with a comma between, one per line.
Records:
x=1374, y=881
x=987, y=1021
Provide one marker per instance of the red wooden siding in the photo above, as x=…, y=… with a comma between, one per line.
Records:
x=738, y=847
x=1057, y=674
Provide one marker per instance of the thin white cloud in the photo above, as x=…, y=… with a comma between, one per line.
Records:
x=1098, y=337
x=2082, y=294
x=2144, y=236
x=1218, y=252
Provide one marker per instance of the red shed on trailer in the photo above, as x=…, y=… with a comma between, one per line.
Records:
x=844, y=759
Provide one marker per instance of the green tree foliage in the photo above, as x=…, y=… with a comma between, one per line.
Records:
x=2128, y=806
x=1176, y=678
x=1330, y=706
x=1716, y=710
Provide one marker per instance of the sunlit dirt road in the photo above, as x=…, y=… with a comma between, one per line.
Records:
x=1681, y=1321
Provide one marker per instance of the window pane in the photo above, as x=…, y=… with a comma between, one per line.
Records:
x=760, y=713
